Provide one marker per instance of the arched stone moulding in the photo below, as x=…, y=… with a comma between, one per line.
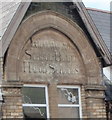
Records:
x=49, y=19
x=50, y=56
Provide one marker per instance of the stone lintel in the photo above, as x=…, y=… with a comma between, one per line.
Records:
x=95, y=97
x=12, y=85
x=94, y=88
x=95, y=91
x=12, y=95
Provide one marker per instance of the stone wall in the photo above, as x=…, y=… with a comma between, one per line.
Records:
x=63, y=57
x=12, y=105
x=1, y=77
x=92, y=105
x=95, y=102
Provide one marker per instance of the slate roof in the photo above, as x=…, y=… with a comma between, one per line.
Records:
x=7, y=11
x=102, y=20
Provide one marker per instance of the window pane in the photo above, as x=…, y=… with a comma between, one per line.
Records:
x=34, y=95
x=68, y=112
x=34, y=112
x=68, y=96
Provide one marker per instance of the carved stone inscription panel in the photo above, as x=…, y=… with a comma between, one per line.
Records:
x=50, y=55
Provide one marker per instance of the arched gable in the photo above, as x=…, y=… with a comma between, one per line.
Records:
x=45, y=20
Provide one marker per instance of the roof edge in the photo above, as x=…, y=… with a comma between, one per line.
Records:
x=99, y=10
x=97, y=39
x=13, y=26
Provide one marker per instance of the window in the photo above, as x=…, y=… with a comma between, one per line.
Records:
x=69, y=105
x=35, y=101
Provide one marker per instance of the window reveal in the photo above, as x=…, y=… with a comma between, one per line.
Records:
x=69, y=102
x=35, y=101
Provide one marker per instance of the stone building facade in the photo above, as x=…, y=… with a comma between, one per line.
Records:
x=51, y=70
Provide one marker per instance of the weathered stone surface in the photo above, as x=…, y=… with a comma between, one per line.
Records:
x=50, y=49
x=53, y=20
x=12, y=106
x=50, y=57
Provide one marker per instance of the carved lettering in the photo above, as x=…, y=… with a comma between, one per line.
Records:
x=26, y=66
x=43, y=53
x=33, y=67
x=45, y=43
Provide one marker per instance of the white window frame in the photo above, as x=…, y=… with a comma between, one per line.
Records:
x=72, y=105
x=39, y=105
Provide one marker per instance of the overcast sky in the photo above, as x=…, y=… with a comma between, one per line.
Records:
x=100, y=4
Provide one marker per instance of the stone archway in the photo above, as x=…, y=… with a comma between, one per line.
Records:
x=49, y=48
x=45, y=20
x=49, y=56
